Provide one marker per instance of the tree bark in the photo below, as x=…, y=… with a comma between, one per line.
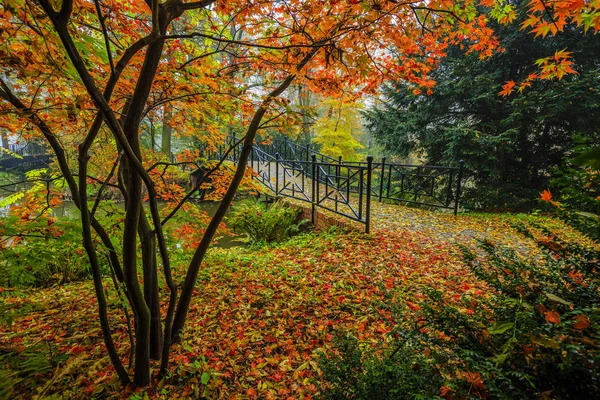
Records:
x=148, y=245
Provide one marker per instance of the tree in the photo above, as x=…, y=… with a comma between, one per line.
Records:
x=510, y=144
x=113, y=62
x=336, y=131
x=552, y=18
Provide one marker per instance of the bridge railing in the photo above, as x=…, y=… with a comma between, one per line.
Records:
x=25, y=163
x=341, y=190
x=346, y=187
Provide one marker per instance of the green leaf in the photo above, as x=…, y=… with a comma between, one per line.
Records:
x=588, y=215
x=500, y=358
x=557, y=299
x=205, y=378
x=590, y=159
x=35, y=173
x=10, y=153
x=12, y=199
x=500, y=328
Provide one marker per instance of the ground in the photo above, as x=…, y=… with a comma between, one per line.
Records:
x=261, y=316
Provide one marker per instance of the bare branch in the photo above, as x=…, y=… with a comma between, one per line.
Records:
x=104, y=184
x=105, y=34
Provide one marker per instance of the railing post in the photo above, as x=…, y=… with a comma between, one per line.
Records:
x=338, y=172
x=276, y=174
x=252, y=160
x=312, y=196
x=381, y=178
x=449, y=191
x=368, y=210
x=457, y=198
x=285, y=145
x=308, y=152
x=361, y=191
x=389, y=181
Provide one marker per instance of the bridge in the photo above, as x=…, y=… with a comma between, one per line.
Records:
x=348, y=188
x=342, y=187
x=25, y=163
x=21, y=158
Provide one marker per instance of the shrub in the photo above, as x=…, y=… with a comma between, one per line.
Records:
x=25, y=368
x=579, y=194
x=353, y=372
x=49, y=253
x=264, y=224
x=545, y=323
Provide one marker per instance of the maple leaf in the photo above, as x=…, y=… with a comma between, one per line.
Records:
x=581, y=322
x=546, y=195
x=474, y=378
x=507, y=88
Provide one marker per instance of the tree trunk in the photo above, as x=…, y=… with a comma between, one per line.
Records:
x=148, y=245
x=152, y=138
x=141, y=311
x=194, y=266
x=305, y=102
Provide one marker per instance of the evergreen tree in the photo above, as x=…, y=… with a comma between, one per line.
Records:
x=510, y=144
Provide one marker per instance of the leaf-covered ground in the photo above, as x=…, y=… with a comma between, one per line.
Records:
x=261, y=316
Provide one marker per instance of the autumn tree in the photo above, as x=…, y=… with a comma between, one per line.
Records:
x=83, y=75
x=337, y=129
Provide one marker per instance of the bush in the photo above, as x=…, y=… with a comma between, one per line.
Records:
x=578, y=190
x=264, y=224
x=49, y=253
x=357, y=373
x=546, y=315
x=24, y=369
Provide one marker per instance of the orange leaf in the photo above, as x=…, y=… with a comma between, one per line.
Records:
x=474, y=378
x=546, y=195
x=507, y=88
x=552, y=317
x=581, y=322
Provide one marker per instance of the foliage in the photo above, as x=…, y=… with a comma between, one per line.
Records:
x=579, y=199
x=337, y=130
x=529, y=329
x=263, y=315
x=552, y=18
x=265, y=223
x=545, y=323
x=577, y=191
x=47, y=253
x=87, y=77
x=510, y=145
x=359, y=373
x=25, y=366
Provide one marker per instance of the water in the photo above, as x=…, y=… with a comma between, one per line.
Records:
x=68, y=210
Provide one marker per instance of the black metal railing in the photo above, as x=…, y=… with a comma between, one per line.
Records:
x=344, y=187
x=323, y=185
x=25, y=163
x=23, y=157
x=24, y=149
